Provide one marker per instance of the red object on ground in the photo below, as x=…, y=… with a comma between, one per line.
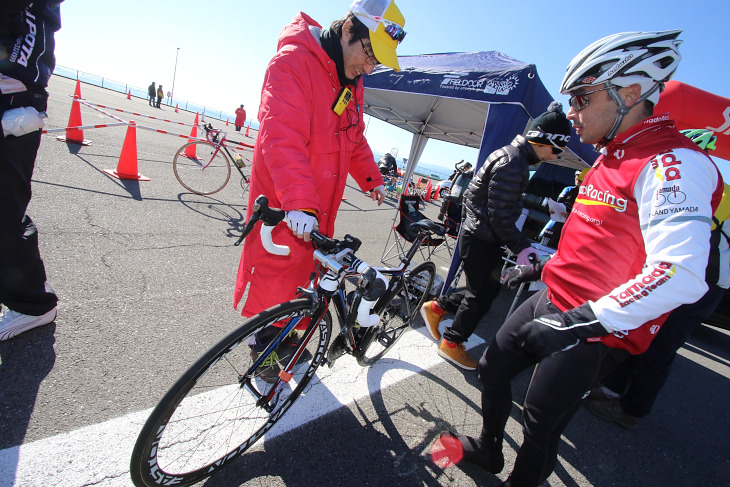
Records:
x=190, y=151
x=74, y=120
x=446, y=451
x=127, y=165
x=129, y=95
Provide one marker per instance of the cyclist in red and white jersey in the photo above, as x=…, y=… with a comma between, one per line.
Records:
x=635, y=246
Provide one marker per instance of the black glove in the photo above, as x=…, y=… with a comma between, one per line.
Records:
x=549, y=334
x=514, y=276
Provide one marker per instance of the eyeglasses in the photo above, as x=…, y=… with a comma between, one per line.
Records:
x=395, y=31
x=371, y=59
x=579, y=101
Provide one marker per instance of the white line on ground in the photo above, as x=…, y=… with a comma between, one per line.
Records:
x=99, y=454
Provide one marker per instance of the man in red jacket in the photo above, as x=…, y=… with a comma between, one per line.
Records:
x=635, y=246
x=310, y=137
x=240, y=118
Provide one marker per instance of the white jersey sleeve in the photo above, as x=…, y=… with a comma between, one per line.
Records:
x=675, y=214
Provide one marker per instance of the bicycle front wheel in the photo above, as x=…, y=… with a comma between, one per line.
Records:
x=398, y=314
x=222, y=406
x=201, y=167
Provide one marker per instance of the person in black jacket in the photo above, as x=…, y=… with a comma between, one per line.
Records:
x=152, y=93
x=492, y=205
x=26, y=36
x=388, y=165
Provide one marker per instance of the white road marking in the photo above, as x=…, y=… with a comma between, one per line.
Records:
x=99, y=454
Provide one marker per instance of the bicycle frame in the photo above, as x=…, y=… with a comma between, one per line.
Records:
x=211, y=136
x=321, y=298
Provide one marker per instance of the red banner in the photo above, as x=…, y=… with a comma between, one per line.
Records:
x=693, y=108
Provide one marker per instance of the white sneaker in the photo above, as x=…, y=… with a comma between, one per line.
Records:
x=13, y=323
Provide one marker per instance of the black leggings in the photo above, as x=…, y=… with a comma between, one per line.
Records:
x=482, y=265
x=22, y=273
x=553, y=397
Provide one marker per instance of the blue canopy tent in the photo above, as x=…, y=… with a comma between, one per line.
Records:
x=477, y=99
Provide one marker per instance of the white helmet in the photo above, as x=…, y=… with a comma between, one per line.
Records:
x=645, y=58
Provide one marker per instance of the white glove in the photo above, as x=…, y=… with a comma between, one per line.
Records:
x=301, y=224
x=378, y=194
x=523, y=258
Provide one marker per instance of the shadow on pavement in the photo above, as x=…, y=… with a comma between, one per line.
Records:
x=24, y=362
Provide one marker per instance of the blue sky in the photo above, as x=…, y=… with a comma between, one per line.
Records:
x=226, y=45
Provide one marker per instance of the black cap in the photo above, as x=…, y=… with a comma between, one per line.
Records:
x=551, y=127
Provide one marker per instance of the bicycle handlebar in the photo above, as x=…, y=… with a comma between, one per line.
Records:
x=335, y=253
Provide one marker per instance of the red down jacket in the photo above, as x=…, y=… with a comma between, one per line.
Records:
x=301, y=160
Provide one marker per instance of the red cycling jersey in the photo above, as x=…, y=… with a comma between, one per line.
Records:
x=636, y=244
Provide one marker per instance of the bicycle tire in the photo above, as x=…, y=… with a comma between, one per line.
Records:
x=202, y=167
x=208, y=417
x=398, y=314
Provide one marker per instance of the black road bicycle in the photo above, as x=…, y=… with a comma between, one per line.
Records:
x=242, y=386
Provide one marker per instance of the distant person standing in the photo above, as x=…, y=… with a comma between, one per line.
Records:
x=240, y=118
x=27, y=299
x=152, y=92
x=160, y=94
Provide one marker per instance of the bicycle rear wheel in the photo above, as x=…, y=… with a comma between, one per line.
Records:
x=220, y=407
x=201, y=167
x=398, y=314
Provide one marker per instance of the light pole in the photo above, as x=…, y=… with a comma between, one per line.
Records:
x=172, y=92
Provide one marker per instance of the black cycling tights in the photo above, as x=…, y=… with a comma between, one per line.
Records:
x=553, y=397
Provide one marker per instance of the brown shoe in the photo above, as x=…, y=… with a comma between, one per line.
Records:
x=432, y=315
x=456, y=354
x=610, y=410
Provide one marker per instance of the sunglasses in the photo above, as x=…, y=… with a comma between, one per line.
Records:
x=579, y=101
x=394, y=30
x=371, y=59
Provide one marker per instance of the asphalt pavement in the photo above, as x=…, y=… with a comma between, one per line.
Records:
x=145, y=272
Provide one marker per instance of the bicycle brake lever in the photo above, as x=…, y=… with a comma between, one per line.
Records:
x=260, y=203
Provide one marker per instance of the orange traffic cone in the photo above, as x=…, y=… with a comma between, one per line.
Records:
x=226, y=122
x=74, y=120
x=127, y=165
x=427, y=196
x=190, y=151
x=249, y=126
x=176, y=108
x=129, y=95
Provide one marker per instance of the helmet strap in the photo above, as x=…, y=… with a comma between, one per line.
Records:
x=622, y=110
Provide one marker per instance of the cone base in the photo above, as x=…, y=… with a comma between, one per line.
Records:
x=62, y=138
x=138, y=177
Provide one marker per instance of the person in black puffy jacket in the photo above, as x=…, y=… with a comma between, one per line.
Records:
x=492, y=205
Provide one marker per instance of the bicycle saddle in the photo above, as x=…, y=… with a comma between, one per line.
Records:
x=430, y=226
